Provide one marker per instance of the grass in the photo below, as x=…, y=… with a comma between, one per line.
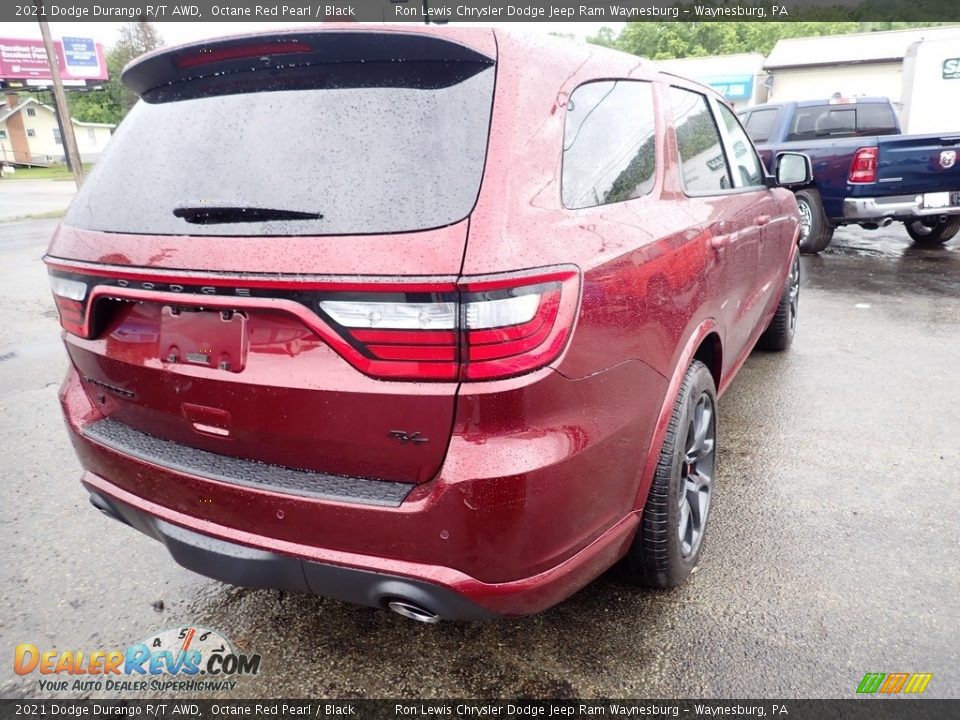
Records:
x=54, y=172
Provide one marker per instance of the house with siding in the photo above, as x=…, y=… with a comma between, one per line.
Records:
x=29, y=134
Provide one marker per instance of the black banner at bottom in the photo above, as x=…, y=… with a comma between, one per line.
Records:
x=112, y=709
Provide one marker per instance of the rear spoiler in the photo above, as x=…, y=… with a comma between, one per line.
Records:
x=299, y=60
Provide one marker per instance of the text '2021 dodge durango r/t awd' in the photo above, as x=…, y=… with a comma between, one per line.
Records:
x=430, y=319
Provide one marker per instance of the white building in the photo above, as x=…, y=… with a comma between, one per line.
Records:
x=29, y=134
x=861, y=64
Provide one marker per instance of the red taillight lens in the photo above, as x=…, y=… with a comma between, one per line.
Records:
x=529, y=330
x=491, y=328
x=70, y=295
x=863, y=169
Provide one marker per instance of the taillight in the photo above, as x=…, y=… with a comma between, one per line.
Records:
x=863, y=169
x=71, y=298
x=516, y=326
x=480, y=328
x=490, y=328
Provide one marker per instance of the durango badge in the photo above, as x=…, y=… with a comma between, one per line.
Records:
x=948, y=158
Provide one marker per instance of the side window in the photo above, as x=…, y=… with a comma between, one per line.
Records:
x=609, y=152
x=760, y=124
x=703, y=165
x=746, y=165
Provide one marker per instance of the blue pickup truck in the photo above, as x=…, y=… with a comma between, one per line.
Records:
x=864, y=171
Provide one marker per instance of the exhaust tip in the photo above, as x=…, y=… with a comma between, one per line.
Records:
x=103, y=506
x=412, y=611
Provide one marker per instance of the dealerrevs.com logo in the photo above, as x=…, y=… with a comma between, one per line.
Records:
x=186, y=658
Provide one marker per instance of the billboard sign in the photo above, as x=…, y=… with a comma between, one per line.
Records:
x=78, y=59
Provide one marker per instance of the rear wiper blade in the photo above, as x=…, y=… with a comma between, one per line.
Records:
x=209, y=215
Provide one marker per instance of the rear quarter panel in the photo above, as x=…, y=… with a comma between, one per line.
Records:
x=649, y=283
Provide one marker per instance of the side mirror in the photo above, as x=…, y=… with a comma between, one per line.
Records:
x=793, y=169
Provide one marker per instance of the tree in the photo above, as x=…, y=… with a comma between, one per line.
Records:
x=603, y=37
x=668, y=40
x=111, y=104
x=135, y=39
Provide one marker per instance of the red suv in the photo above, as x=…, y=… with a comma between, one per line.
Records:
x=428, y=319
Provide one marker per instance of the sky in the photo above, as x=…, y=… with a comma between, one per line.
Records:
x=175, y=33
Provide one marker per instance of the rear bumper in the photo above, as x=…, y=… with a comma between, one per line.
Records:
x=444, y=592
x=518, y=519
x=893, y=206
x=256, y=568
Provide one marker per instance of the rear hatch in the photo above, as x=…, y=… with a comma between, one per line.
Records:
x=914, y=164
x=254, y=265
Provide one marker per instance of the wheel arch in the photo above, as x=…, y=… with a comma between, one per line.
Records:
x=703, y=342
x=710, y=353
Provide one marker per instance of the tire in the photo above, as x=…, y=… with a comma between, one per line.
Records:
x=670, y=537
x=936, y=234
x=816, y=232
x=779, y=333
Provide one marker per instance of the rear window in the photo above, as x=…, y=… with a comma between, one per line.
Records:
x=759, y=125
x=876, y=119
x=609, y=152
x=842, y=120
x=314, y=161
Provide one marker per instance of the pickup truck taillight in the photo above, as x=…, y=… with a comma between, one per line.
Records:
x=863, y=169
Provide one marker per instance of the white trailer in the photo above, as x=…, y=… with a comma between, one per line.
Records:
x=931, y=87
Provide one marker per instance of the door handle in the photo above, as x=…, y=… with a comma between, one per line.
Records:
x=719, y=241
x=718, y=235
x=762, y=220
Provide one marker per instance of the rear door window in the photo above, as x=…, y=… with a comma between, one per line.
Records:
x=370, y=158
x=609, y=146
x=760, y=124
x=703, y=165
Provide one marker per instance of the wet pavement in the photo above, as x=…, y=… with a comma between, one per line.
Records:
x=21, y=198
x=832, y=551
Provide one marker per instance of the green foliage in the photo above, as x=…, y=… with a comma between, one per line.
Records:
x=668, y=40
x=698, y=134
x=638, y=173
x=603, y=37
x=93, y=106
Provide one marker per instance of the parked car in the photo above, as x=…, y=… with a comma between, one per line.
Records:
x=432, y=319
x=864, y=171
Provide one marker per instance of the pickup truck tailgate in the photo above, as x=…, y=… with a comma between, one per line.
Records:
x=920, y=163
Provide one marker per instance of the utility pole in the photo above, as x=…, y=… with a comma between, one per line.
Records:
x=71, y=153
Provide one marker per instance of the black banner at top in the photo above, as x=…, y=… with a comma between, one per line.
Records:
x=478, y=11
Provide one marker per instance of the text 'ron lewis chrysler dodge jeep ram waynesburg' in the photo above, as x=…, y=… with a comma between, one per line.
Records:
x=430, y=319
